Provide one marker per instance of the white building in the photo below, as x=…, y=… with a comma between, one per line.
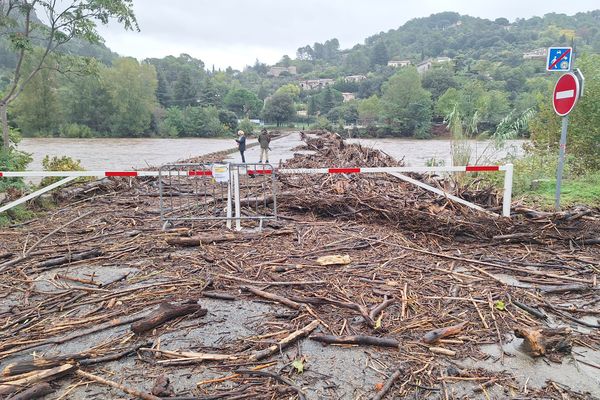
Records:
x=313, y=84
x=398, y=63
x=355, y=78
x=348, y=96
x=540, y=53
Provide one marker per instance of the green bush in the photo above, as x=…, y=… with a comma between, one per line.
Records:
x=16, y=214
x=322, y=123
x=75, y=131
x=14, y=160
x=63, y=163
x=247, y=126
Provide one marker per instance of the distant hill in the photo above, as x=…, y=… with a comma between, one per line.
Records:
x=459, y=37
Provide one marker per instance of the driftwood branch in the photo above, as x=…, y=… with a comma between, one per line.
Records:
x=437, y=334
x=285, y=342
x=276, y=377
x=26, y=255
x=389, y=383
x=13, y=386
x=54, y=262
x=223, y=237
x=133, y=392
x=38, y=391
x=271, y=296
x=166, y=312
x=358, y=340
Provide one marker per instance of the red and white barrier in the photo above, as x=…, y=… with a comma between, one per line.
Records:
x=396, y=171
x=287, y=171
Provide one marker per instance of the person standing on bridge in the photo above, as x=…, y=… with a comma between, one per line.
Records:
x=265, y=140
x=241, y=141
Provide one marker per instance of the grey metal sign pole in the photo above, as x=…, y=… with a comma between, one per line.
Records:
x=561, y=160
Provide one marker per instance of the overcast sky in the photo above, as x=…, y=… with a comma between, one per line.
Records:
x=237, y=32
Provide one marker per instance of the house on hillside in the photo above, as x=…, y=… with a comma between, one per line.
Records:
x=398, y=63
x=537, y=54
x=355, y=78
x=348, y=96
x=424, y=67
x=312, y=84
x=276, y=71
x=443, y=59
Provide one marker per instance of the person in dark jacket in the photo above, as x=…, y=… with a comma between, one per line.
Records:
x=265, y=140
x=241, y=141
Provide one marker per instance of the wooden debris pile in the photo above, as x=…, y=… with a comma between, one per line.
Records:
x=376, y=301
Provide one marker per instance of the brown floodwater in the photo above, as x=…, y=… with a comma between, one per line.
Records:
x=117, y=154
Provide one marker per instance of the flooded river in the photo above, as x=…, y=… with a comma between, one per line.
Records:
x=116, y=154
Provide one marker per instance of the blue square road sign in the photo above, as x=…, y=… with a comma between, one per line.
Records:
x=559, y=59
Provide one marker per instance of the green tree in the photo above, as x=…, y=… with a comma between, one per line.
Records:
x=132, y=88
x=370, y=110
x=210, y=94
x=38, y=109
x=407, y=107
x=380, y=54
x=162, y=90
x=279, y=108
x=243, y=102
x=438, y=80
x=88, y=102
x=291, y=89
x=65, y=21
x=184, y=90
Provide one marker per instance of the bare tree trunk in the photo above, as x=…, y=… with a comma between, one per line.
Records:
x=4, y=118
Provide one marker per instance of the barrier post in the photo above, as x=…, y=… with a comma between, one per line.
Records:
x=508, y=184
x=229, y=201
x=236, y=198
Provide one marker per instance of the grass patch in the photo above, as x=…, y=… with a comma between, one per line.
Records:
x=15, y=216
x=584, y=190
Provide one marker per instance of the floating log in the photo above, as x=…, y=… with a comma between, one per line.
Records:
x=358, y=340
x=437, y=334
x=165, y=313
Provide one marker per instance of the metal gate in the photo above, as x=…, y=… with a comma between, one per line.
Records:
x=229, y=192
x=254, y=193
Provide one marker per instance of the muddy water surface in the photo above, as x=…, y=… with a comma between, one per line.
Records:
x=115, y=154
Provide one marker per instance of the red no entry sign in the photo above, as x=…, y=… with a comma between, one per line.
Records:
x=566, y=94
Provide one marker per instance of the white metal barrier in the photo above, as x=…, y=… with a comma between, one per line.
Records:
x=395, y=171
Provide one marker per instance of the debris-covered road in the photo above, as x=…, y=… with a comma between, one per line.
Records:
x=364, y=288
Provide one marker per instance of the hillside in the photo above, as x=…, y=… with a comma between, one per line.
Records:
x=488, y=75
x=459, y=37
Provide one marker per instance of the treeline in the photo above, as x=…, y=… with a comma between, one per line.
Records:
x=484, y=84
